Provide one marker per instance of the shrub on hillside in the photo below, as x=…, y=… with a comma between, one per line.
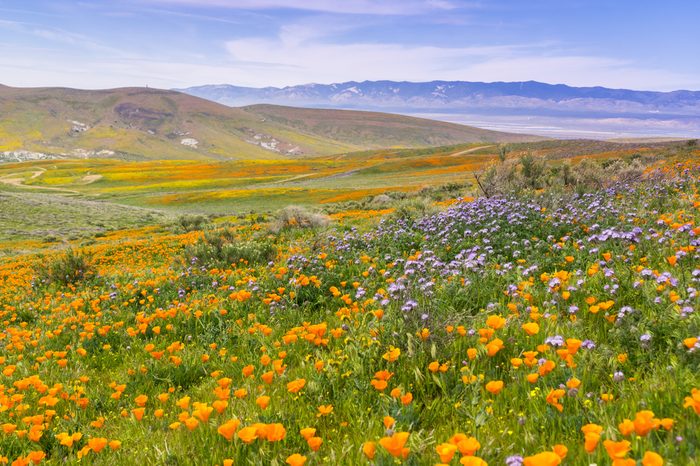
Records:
x=71, y=267
x=219, y=248
x=297, y=217
x=530, y=173
x=413, y=209
x=191, y=222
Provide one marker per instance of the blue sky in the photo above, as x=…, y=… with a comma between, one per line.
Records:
x=642, y=44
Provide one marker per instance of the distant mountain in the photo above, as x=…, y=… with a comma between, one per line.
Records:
x=461, y=95
x=144, y=123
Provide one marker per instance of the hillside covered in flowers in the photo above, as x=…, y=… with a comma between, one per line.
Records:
x=553, y=328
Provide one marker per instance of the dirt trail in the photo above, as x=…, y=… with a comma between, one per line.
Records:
x=89, y=179
x=473, y=149
x=294, y=178
x=19, y=182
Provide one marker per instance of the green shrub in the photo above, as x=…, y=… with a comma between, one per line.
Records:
x=71, y=267
x=413, y=209
x=191, y=222
x=219, y=248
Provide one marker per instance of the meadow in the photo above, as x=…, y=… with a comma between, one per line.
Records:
x=551, y=324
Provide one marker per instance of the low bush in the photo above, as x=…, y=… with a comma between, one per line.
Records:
x=219, y=248
x=191, y=222
x=297, y=217
x=530, y=173
x=71, y=267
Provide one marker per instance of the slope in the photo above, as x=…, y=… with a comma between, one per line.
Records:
x=379, y=130
x=144, y=123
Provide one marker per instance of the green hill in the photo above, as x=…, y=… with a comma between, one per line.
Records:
x=144, y=123
x=375, y=130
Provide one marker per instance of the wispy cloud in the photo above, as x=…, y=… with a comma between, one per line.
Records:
x=314, y=60
x=177, y=43
x=56, y=35
x=366, y=7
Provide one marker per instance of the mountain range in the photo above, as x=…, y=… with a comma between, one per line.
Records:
x=617, y=111
x=146, y=123
x=457, y=95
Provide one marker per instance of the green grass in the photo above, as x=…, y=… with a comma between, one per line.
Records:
x=55, y=219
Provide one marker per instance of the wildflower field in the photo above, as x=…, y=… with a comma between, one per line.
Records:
x=541, y=329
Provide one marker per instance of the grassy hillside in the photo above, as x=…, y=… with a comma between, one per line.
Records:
x=142, y=123
x=378, y=130
x=57, y=197
x=543, y=328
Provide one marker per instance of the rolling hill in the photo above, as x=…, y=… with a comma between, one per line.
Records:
x=378, y=130
x=145, y=123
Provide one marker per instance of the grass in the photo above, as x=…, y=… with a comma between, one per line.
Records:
x=418, y=333
x=57, y=219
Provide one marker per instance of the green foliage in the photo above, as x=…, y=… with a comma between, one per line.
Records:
x=531, y=173
x=413, y=208
x=503, y=150
x=69, y=268
x=191, y=222
x=220, y=248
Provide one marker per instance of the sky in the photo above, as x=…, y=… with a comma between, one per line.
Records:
x=634, y=44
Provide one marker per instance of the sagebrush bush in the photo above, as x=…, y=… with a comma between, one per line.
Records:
x=297, y=217
x=220, y=248
x=530, y=173
x=71, y=267
x=191, y=222
x=413, y=209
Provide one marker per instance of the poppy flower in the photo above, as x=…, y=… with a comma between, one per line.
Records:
x=693, y=401
x=314, y=443
x=472, y=461
x=296, y=385
x=395, y=444
x=494, y=387
x=495, y=322
x=296, y=460
x=546, y=458
x=369, y=449
x=248, y=434
x=531, y=328
x=392, y=354
x=644, y=422
x=617, y=449
x=228, y=429
x=324, y=410
x=97, y=444
x=626, y=427
x=263, y=401
x=446, y=451
x=274, y=432
x=467, y=445
x=652, y=459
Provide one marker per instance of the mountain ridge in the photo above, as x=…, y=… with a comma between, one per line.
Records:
x=457, y=94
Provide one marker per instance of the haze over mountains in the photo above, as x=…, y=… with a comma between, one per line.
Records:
x=144, y=123
x=555, y=110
